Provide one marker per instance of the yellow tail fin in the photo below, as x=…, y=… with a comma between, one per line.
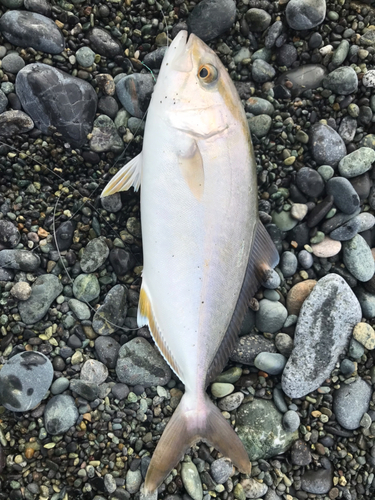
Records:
x=194, y=420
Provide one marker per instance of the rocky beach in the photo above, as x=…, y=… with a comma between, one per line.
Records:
x=84, y=393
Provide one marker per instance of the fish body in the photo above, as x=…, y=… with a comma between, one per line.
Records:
x=205, y=250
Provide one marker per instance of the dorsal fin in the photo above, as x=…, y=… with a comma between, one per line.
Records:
x=147, y=317
x=128, y=176
x=263, y=256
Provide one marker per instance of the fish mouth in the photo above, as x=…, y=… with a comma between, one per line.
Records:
x=181, y=53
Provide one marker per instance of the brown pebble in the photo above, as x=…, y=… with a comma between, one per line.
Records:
x=319, y=448
x=297, y=295
x=333, y=493
x=29, y=452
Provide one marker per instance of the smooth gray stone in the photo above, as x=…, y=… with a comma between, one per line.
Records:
x=303, y=78
x=324, y=326
x=102, y=42
x=350, y=402
x=21, y=260
x=107, y=350
x=139, y=363
x=134, y=93
x=366, y=221
x=211, y=18
x=14, y=122
x=60, y=414
x=56, y=99
x=44, y=291
x=344, y=195
x=357, y=163
x=28, y=29
x=347, y=231
x=249, y=346
x=318, y=481
x=342, y=81
x=305, y=14
x=25, y=380
x=271, y=316
x=111, y=315
x=327, y=147
x=94, y=255
x=358, y=258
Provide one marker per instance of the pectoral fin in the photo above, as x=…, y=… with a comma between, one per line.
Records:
x=128, y=176
x=192, y=169
x=263, y=256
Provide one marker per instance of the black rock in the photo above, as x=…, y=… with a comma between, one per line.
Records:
x=300, y=234
x=317, y=481
x=300, y=453
x=9, y=234
x=310, y=182
x=14, y=102
x=258, y=20
x=362, y=185
x=22, y=260
x=154, y=59
x=108, y=106
x=273, y=33
x=86, y=390
x=28, y=29
x=211, y=18
x=134, y=92
x=344, y=195
x=57, y=101
x=315, y=40
x=38, y=6
x=365, y=116
x=64, y=235
x=319, y=211
x=286, y=55
x=14, y=123
x=111, y=315
x=103, y=43
x=347, y=231
x=327, y=147
x=121, y=261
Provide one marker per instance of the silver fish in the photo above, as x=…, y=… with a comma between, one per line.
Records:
x=205, y=250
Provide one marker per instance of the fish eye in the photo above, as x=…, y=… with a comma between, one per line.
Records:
x=207, y=73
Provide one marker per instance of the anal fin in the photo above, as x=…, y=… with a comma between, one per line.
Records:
x=147, y=317
x=263, y=256
x=128, y=176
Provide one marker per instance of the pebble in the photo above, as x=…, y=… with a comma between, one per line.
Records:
x=368, y=79
x=344, y=195
x=347, y=367
x=25, y=380
x=85, y=57
x=318, y=482
x=3, y=101
x=103, y=43
x=111, y=315
x=337, y=220
x=324, y=326
x=356, y=163
x=86, y=390
x=220, y=389
x=12, y=63
x=60, y=414
x=86, y=287
x=29, y=29
x=347, y=129
x=79, y=309
x=271, y=316
x=259, y=106
x=120, y=391
x=139, y=363
x=94, y=255
x=298, y=211
x=286, y=55
x=230, y=376
x=94, y=371
x=105, y=136
x=154, y=59
x=269, y=362
x=327, y=147
x=60, y=385
x=134, y=93
x=305, y=14
x=262, y=71
x=39, y=6
x=211, y=18
x=283, y=342
x=133, y=481
x=42, y=91
x=20, y=260
x=298, y=294
x=358, y=258
x=284, y=220
x=288, y=264
x=342, y=81
x=305, y=259
x=303, y=78
x=272, y=280
x=112, y=203
x=191, y=480
x=258, y=20
x=259, y=426
x=347, y=231
x=221, y=470
x=350, y=402
x=107, y=350
x=300, y=453
x=21, y=290
x=249, y=346
x=365, y=334
x=260, y=125
x=15, y=122
x=231, y=402
x=64, y=235
x=356, y=350
x=291, y=421
x=253, y=488
x=44, y=291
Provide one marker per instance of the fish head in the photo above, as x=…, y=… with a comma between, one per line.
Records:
x=194, y=91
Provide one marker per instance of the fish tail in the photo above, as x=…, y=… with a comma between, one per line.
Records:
x=194, y=420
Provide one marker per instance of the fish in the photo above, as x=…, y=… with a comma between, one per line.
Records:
x=205, y=251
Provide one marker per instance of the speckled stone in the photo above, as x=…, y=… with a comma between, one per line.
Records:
x=358, y=258
x=365, y=334
x=44, y=291
x=60, y=414
x=351, y=402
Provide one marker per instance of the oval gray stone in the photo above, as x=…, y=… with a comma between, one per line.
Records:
x=342, y=81
x=327, y=147
x=358, y=258
x=86, y=287
x=25, y=380
x=357, y=163
x=94, y=255
x=60, y=414
x=351, y=402
x=271, y=316
x=324, y=326
x=111, y=315
x=44, y=291
x=249, y=346
x=305, y=14
x=21, y=260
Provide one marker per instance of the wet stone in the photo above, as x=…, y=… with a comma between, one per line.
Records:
x=344, y=195
x=56, y=99
x=269, y=362
x=111, y=315
x=86, y=390
x=357, y=163
x=154, y=59
x=44, y=291
x=139, y=363
x=60, y=414
x=258, y=20
x=260, y=125
x=273, y=34
x=324, y=327
x=107, y=350
x=134, y=92
x=305, y=14
x=121, y=260
x=259, y=106
x=211, y=18
x=105, y=136
x=79, y=309
x=94, y=255
x=86, y=287
x=286, y=55
x=64, y=235
x=318, y=213
x=271, y=316
x=347, y=231
x=103, y=43
x=358, y=258
x=318, y=481
x=12, y=63
x=351, y=402
x=259, y=426
x=288, y=264
x=85, y=57
x=112, y=203
x=249, y=346
x=9, y=234
x=94, y=371
x=327, y=147
x=14, y=122
x=25, y=380
x=29, y=29
x=342, y=81
x=304, y=78
x=262, y=71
